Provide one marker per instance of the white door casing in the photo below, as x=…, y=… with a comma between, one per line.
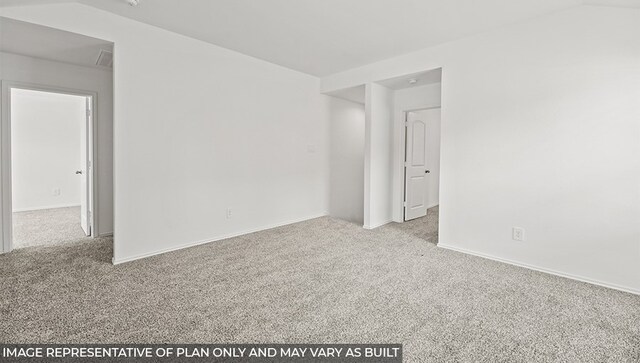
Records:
x=84, y=172
x=416, y=172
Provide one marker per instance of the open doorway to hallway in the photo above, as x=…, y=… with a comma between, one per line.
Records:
x=414, y=102
x=51, y=167
x=422, y=173
x=56, y=140
x=375, y=127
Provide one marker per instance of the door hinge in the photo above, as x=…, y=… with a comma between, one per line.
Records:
x=404, y=204
x=406, y=124
x=88, y=113
x=406, y=164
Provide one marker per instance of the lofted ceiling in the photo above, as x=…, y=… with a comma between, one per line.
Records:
x=329, y=36
x=322, y=37
x=37, y=41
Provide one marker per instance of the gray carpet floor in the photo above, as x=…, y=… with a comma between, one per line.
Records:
x=425, y=227
x=320, y=281
x=46, y=227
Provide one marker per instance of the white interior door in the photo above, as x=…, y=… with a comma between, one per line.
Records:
x=84, y=173
x=416, y=172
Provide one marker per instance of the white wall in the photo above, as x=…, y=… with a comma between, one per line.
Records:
x=199, y=129
x=413, y=98
x=45, y=149
x=42, y=72
x=347, y=160
x=378, y=172
x=540, y=130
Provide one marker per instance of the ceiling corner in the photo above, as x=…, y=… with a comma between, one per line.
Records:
x=15, y=3
x=613, y=3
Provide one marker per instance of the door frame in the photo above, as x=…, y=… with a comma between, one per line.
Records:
x=402, y=158
x=6, y=210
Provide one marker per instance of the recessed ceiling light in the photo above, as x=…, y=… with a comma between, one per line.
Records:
x=412, y=81
x=133, y=2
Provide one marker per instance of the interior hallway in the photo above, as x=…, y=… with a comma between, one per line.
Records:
x=47, y=227
x=325, y=281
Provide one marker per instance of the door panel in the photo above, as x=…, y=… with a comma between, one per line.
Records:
x=419, y=132
x=415, y=168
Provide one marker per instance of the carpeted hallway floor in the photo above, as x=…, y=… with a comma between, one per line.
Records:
x=323, y=280
x=425, y=227
x=47, y=227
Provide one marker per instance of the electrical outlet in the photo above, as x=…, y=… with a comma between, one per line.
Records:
x=229, y=213
x=517, y=234
x=55, y=192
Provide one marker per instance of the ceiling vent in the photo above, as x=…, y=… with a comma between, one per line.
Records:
x=105, y=59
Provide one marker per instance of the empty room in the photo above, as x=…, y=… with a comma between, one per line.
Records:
x=330, y=181
x=38, y=117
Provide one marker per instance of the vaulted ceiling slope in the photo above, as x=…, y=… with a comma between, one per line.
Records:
x=328, y=36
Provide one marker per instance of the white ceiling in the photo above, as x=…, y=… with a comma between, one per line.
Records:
x=322, y=37
x=47, y=43
x=6, y=3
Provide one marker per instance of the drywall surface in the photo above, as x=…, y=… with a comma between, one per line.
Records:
x=427, y=96
x=208, y=143
x=45, y=149
x=30, y=70
x=414, y=98
x=540, y=130
x=347, y=161
x=378, y=194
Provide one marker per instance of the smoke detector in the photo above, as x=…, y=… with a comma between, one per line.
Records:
x=133, y=2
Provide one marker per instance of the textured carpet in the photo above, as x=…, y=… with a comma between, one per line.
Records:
x=46, y=227
x=425, y=227
x=324, y=280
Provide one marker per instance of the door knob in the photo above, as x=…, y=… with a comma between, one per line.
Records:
x=427, y=171
x=78, y=172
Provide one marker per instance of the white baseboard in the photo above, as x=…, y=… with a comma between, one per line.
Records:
x=105, y=234
x=541, y=269
x=46, y=207
x=214, y=239
x=378, y=225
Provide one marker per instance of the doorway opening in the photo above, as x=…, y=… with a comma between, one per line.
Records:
x=422, y=172
x=37, y=191
x=49, y=142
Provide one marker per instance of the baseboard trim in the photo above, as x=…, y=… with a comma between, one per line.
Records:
x=378, y=225
x=104, y=235
x=46, y=207
x=215, y=239
x=541, y=269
